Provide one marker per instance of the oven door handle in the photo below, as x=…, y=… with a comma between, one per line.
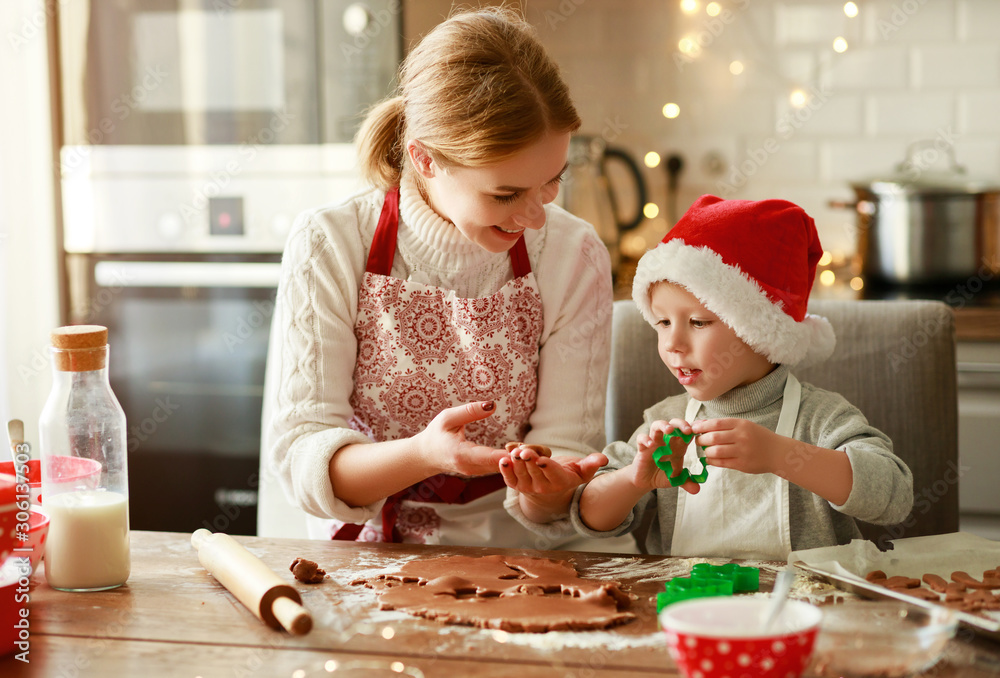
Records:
x=118, y=274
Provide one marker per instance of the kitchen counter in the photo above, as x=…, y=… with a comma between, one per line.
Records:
x=172, y=618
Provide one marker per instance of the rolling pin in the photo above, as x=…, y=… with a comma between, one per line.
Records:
x=254, y=584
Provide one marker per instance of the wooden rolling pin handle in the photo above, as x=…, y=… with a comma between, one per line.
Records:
x=295, y=618
x=254, y=584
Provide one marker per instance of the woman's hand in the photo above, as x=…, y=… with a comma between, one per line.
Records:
x=529, y=472
x=739, y=444
x=646, y=475
x=444, y=447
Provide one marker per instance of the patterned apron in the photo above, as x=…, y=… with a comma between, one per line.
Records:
x=422, y=349
x=738, y=515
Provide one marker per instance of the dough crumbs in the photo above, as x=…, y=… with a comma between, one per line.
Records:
x=510, y=593
x=307, y=572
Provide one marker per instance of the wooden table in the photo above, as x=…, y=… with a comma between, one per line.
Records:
x=174, y=619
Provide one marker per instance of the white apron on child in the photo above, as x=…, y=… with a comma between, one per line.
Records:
x=736, y=514
x=422, y=349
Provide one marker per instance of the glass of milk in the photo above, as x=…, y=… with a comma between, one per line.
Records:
x=88, y=541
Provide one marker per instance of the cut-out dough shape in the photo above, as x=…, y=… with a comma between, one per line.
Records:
x=511, y=593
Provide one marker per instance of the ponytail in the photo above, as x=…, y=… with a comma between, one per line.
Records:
x=380, y=144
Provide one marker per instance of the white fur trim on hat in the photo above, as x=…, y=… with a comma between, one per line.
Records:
x=738, y=301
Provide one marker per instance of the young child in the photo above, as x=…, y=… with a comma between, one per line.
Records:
x=790, y=466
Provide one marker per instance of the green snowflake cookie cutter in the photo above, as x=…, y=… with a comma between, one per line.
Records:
x=664, y=464
x=709, y=580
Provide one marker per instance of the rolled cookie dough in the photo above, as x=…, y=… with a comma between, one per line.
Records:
x=512, y=593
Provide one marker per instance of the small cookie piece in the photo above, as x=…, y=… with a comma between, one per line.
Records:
x=876, y=576
x=936, y=582
x=984, y=598
x=540, y=450
x=306, y=571
x=954, y=591
x=973, y=583
x=900, y=582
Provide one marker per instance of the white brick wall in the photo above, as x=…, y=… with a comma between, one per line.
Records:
x=914, y=70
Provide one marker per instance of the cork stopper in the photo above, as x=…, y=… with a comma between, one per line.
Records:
x=80, y=348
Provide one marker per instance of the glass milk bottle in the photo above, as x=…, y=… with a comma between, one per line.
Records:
x=84, y=466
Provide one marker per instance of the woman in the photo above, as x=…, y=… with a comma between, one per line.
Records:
x=424, y=323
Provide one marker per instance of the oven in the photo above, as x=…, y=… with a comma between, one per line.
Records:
x=180, y=261
x=192, y=134
x=188, y=342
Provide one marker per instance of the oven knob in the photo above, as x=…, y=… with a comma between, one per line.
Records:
x=280, y=225
x=170, y=226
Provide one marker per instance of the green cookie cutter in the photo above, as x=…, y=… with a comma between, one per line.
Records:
x=709, y=580
x=684, y=475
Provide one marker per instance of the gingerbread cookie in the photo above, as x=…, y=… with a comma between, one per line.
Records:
x=953, y=594
x=971, y=582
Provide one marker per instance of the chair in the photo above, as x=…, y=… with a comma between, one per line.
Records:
x=894, y=360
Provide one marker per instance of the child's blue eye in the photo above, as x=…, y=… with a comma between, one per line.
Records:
x=700, y=323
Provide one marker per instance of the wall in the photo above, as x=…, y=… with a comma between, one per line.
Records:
x=913, y=70
x=28, y=289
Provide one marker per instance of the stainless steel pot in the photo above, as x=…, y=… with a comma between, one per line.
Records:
x=923, y=225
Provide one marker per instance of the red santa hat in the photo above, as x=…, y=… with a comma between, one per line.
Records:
x=750, y=263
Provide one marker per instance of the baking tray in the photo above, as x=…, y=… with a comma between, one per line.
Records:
x=845, y=567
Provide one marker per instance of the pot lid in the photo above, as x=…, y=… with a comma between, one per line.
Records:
x=928, y=168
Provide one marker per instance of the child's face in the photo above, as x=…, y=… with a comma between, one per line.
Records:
x=702, y=352
x=493, y=205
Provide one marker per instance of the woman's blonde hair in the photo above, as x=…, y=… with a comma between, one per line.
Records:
x=476, y=89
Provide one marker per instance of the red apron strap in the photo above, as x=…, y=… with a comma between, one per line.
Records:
x=384, y=243
x=348, y=532
x=390, y=511
x=519, y=258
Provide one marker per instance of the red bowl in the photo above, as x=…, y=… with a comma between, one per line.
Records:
x=14, y=631
x=69, y=470
x=8, y=514
x=720, y=637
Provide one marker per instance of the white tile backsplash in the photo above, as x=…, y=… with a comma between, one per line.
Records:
x=878, y=67
x=775, y=160
x=829, y=113
x=815, y=23
x=909, y=21
x=913, y=114
x=914, y=70
x=976, y=65
x=978, y=19
x=843, y=161
x=979, y=112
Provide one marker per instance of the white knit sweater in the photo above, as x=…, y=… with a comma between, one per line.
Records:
x=313, y=349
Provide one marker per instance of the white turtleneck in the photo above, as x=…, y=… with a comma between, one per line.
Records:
x=312, y=352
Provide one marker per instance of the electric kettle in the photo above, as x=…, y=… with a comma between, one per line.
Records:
x=588, y=193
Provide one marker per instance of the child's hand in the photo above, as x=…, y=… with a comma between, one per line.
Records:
x=529, y=471
x=738, y=444
x=646, y=473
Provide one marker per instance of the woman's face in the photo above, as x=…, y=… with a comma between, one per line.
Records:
x=493, y=205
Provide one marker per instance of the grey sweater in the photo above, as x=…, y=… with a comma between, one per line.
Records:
x=882, y=492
